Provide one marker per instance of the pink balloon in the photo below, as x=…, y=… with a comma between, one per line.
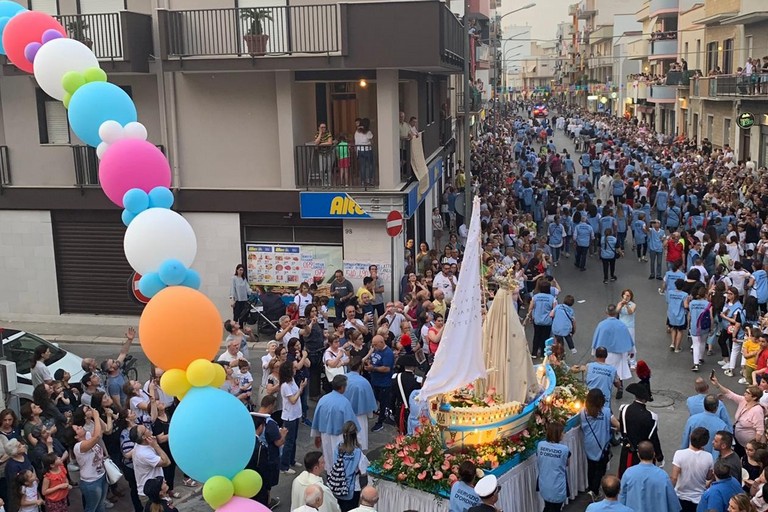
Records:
x=238, y=504
x=132, y=163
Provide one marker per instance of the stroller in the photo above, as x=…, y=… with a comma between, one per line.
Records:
x=265, y=313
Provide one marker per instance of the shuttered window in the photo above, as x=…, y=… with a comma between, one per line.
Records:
x=47, y=6
x=56, y=122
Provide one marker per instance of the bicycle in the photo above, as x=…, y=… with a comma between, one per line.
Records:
x=128, y=368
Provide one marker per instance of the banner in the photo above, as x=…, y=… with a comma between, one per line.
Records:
x=291, y=265
x=355, y=271
x=419, y=164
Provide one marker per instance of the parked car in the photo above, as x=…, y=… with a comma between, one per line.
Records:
x=540, y=111
x=19, y=346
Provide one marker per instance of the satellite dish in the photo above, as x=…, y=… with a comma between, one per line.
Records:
x=459, y=204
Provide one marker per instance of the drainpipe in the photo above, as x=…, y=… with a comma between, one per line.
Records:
x=167, y=100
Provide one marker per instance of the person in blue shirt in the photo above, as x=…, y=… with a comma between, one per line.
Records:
x=640, y=235
x=542, y=304
x=596, y=423
x=656, y=249
x=676, y=315
x=721, y=491
x=556, y=236
x=708, y=420
x=611, y=486
x=608, y=255
x=674, y=217
x=552, y=460
x=732, y=323
x=597, y=171
x=758, y=284
x=463, y=495
x=695, y=403
x=696, y=306
x=583, y=234
x=593, y=219
x=601, y=375
x=564, y=324
x=661, y=202
x=568, y=224
x=381, y=367
x=607, y=221
x=647, y=487
x=623, y=218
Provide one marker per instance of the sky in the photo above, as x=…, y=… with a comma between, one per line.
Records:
x=542, y=18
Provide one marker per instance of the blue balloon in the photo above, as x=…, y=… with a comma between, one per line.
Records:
x=150, y=284
x=160, y=197
x=136, y=201
x=97, y=102
x=8, y=10
x=192, y=280
x=172, y=272
x=198, y=452
x=127, y=217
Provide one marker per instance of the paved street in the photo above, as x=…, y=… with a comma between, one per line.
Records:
x=672, y=380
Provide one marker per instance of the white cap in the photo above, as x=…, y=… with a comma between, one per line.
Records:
x=486, y=486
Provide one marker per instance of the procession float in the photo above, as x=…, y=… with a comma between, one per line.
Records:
x=483, y=399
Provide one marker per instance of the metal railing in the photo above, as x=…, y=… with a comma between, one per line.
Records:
x=336, y=166
x=451, y=37
x=100, y=32
x=731, y=85
x=305, y=29
x=5, y=168
x=476, y=98
x=86, y=166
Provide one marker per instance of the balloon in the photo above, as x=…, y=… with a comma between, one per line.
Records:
x=30, y=51
x=171, y=344
x=220, y=377
x=94, y=103
x=156, y=235
x=174, y=382
x=135, y=131
x=201, y=373
x=8, y=10
x=101, y=149
x=247, y=483
x=150, y=284
x=24, y=28
x=136, y=200
x=192, y=280
x=95, y=75
x=57, y=58
x=71, y=81
x=127, y=217
x=160, y=197
x=239, y=504
x=172, y=272
x=49, y=35
x=203, y=411
x=130, y=163
x=217, y=491
x=110, y=131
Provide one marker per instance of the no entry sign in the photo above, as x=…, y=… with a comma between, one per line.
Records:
x=394, y=223
x=134, y=288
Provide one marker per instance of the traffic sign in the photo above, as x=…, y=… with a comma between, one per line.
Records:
x=133, y=284
x=394, y=223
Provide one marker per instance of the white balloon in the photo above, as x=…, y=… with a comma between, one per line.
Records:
x=156, y=235
x=101, y=149
x=55, y=58
x=111, y=131
x=135, y=130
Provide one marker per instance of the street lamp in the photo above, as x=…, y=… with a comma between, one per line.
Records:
x=527, y=6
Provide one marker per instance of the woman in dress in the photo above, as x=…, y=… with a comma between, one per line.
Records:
x=160, y=430
x=596, y=423
x=238, y=295
x=626, y=308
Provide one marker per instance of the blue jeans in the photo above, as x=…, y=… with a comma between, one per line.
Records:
x=365, y=161
x=288, y=456
x=94, y=494
x=656, y=258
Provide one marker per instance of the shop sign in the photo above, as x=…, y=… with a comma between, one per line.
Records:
x=330, y=205
x=745, y=120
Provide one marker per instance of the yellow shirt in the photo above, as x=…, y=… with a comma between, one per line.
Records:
x=440, y=307
x=751, y=345
x=461, y=180
x=361, y=291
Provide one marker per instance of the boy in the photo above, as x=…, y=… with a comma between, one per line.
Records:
x=245, y=380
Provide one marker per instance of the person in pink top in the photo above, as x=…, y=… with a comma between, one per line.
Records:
x=749, y=421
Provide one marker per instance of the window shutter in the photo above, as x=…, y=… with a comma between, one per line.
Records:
x=57, y=124
x=47, y=6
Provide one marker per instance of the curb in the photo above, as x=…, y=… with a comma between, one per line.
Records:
x=106, y=340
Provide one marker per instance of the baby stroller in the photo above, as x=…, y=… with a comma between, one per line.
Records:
x=265, y=313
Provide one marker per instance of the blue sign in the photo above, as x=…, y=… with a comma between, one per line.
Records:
x=414, y=198
x=330, y=205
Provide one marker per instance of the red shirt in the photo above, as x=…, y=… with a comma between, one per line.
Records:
x=674, y=251
x=762, y=359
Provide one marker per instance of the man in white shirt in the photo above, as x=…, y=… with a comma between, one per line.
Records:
x=369, y=497
x=288, y=330
x=691, y=468
x=394, y=318
x=148, y=458
x=445, y=281
x=353, y=323
x=313, y=499
x=314, y=465
x=232, y=355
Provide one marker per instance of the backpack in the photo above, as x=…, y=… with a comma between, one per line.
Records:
x=704, y=322
x=337, y=478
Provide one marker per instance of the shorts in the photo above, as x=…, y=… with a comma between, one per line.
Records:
x=678, y=327
x=343, y=163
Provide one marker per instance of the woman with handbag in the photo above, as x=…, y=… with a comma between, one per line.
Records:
x=596, y=424
x=335, y=360
x=90, y=458
x=608, y=255
x=355, y=466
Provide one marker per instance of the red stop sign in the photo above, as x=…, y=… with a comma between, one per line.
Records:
x=134, y=285
x=394, y=223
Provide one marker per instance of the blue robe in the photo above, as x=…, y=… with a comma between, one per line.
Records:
x=612, y=334
x=360, y=394
x=332, y=412
x=647, y=488
x=608, y=506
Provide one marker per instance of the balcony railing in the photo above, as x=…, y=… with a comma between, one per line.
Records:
x=475, y=98
x=663, y=93
x=446, y=130
x=664, y=47
x=303, y=29
x=336, y=166
x=452, y=37
x=731, y=85
x=5, y=168
x=86, y=164
x=100, y=32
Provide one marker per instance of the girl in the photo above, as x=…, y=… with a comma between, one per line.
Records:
x=698, y=305
x=355, y=465
x=291, y=394
x=55, y=485
x=26, y=492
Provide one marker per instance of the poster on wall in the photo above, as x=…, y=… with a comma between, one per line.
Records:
x=355, y=271
x=290, y=265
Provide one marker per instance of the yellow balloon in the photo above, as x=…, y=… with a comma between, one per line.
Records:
x=247, y=483
x=217, y=490
x=201, y=372
x=220, y=377
x=175, y=383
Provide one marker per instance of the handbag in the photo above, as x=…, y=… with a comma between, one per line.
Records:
x=113, y=472
x=606, y=454
x=330, y=373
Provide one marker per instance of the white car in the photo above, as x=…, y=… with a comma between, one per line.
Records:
x=19, y=346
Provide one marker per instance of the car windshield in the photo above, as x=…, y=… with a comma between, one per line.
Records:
x=21, y=348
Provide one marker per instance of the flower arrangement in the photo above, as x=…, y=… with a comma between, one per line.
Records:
x=465, y=397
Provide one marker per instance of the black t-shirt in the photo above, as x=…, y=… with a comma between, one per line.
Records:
x=272, y=435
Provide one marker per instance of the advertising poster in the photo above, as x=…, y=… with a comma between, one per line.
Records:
x=355, y=271
x=290, y=265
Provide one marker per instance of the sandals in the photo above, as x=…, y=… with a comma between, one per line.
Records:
x=174, y=494
x=190, y=482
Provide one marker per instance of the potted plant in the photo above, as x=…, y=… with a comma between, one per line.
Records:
x=78, y=31
x=255, y=37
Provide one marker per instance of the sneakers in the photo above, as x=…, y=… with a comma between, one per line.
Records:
x=678, y=350
x=728, y=372
x=592, y=496
x=639, y=260
x=605, y=281
x=378, y=427
x=651, y=277
x=289, y=471
x=742, y=381
x=620, y=394
x=695, y=368
x=671, y=348
x=710, y=353
x=613, y=278
x=306, y=422
x=274, y=503
x=722, y=363
x=573, y=350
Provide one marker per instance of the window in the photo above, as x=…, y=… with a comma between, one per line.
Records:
x=728, y=56
x=47, y=6
x=698, y=54
x=52, y=120
x=21, y=348
x=710, y=123
x=711, y=56
x=726, y=132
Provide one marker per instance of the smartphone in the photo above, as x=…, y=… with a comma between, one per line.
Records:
x=712, y=375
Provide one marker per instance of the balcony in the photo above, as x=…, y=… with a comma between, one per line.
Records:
x=639, y=91
x=730, y=86
x=663, y=6
x=476, y=99
x=573, y=10
x=663, y=93
x=662, y=48
x=599, y=62
x=336, y=167
x=86, y=165
x=321, y=37
x=601, y=33
x=638, y=50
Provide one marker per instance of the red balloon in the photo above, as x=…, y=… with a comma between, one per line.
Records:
x=24, y=28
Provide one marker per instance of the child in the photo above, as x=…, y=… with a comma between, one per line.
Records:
x=26, y=491
x=55, y=485
x=342, y=152
x=644, y=374
x=62, y=401
x=749, y=350
x=321, y=303
x=367, y=308
x=246, y=381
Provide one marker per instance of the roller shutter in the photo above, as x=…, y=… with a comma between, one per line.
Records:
x=91, y=268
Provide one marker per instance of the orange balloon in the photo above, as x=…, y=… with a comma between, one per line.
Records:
x=178, y=326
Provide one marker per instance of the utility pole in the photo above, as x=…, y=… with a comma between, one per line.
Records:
x=467, y=102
